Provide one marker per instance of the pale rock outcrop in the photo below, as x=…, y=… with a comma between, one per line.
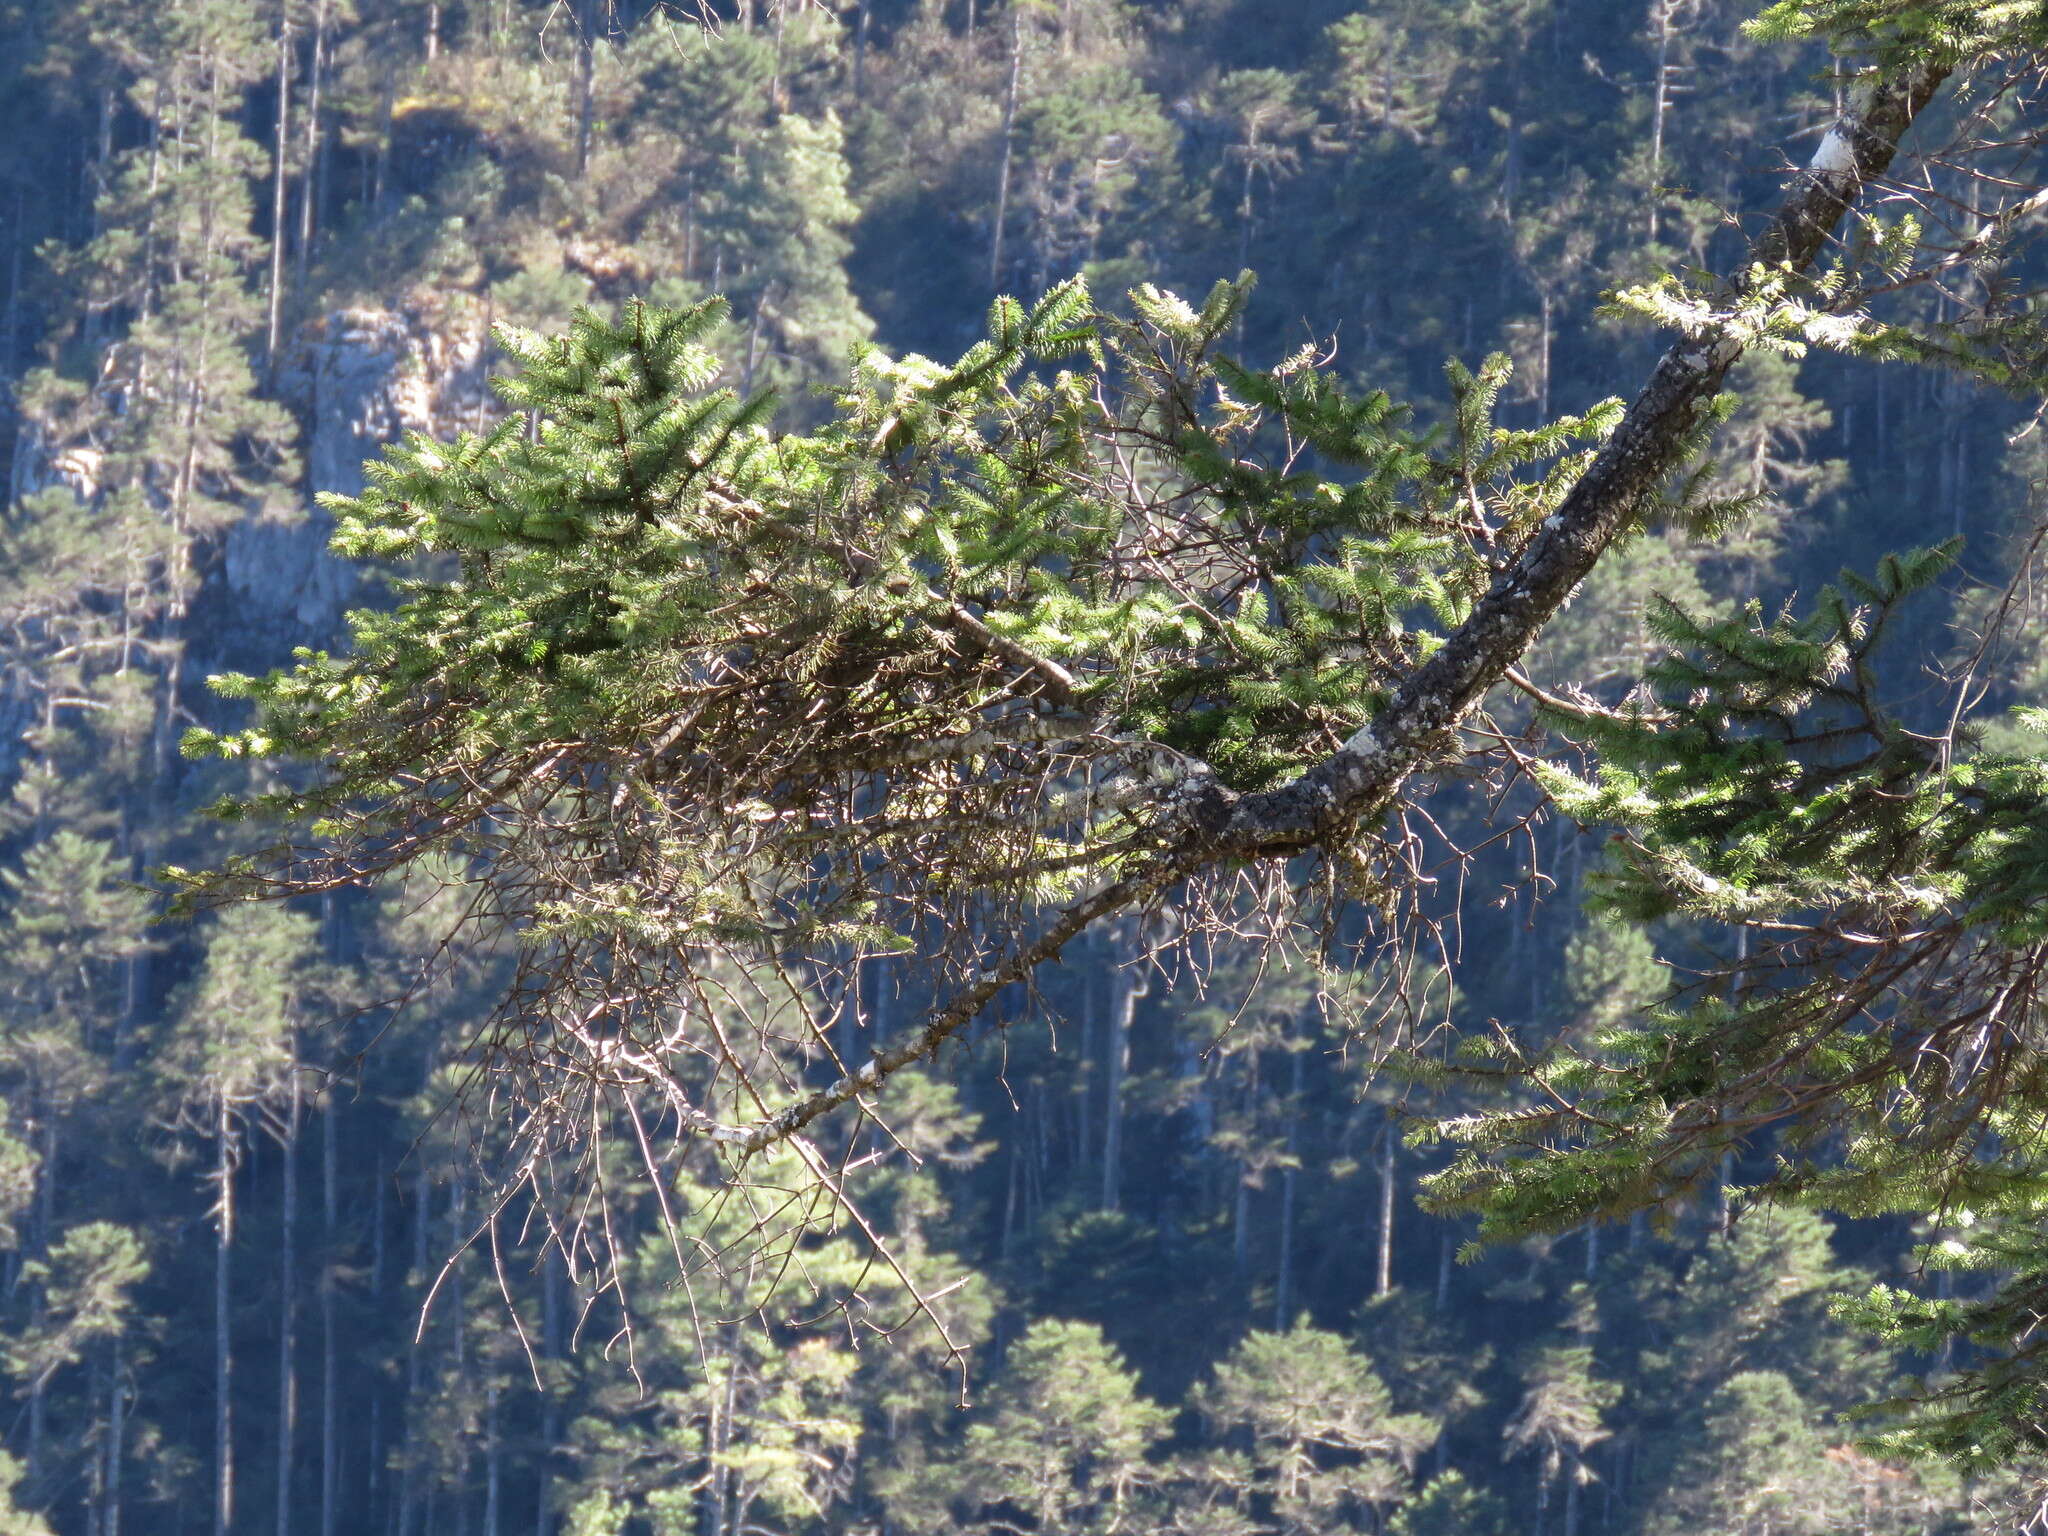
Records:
x=357, y=379
x=36, y=466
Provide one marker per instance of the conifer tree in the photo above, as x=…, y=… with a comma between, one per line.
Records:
x=15, y=1521
x=1065, y=1439
x=756, y=204
x=1449, y=1506
x=82, y=1285
x=1082, y=135
x=228, y=1061
x=82, y=600
x=171, y=416
x=1756, y=1422
x=71, y=920
x=1560, y=1419
x=1326, y=1447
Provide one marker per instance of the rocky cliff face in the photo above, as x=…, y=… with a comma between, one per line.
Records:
x=37, y=465
x=357, y=379
x=360, y=377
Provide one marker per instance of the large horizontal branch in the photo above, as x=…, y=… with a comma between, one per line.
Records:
x=1418, y=723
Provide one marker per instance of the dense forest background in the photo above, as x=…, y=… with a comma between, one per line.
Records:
x=244, y=242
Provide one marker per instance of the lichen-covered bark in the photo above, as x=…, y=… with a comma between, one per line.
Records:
x=1418, y=724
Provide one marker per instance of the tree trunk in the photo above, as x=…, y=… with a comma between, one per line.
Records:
x=458, y=1327
x=1010, y=1204
x=1127, y=985
x=753, y=356
x=1241, y=1223
x=716, y=1427
x=38, y=1420
x=223, y=1351
x=288, y=1305
x=1283, y=1283
x=46, y=1188
x=279, y=153
x=10, y=323
x=46, y=1229
x=860, y=51
x=117, y=1421
x=330, y=1449
x=408, y=1479
x=995, y=244
x=381, y=161
x=379, y=1200
x=310, y=178
x=376, y=1485
x=1244, y=224
x=491, y=1462
x=586, y=70
x=690, y=223
x=550, y=1412
x=1383, y=1278
x=1660, y=104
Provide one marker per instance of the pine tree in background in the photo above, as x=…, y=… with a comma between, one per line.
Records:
x=15, y=1521
x=1756, y=1422
x=1560, y=1420
x=1450, y=1506
x=1092, y=149
x=83, y=603
x=229, y=1061
x=70, y=923
x=171, y=421
x=1064, y=1441
x=1326, y=1447
x=82, y=1285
